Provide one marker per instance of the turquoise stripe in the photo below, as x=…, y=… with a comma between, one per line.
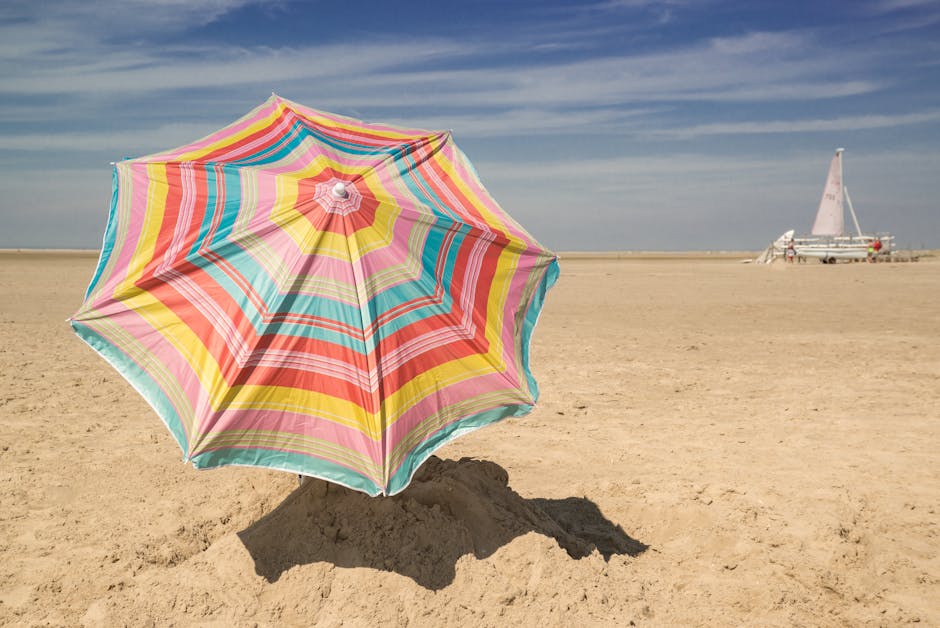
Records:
x=387, y=300
x=291, y=462
x=402, y=477
x=264, y=286
x=148, y=388
x=408, y=172
x=110, y=235
x=282, y=147
x=232, y=182
x=207, y=208
x=229, y=185
x=532, y=318
x=357, y=149
x=273, y=153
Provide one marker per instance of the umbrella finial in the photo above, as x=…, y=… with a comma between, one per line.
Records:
x=339, y=190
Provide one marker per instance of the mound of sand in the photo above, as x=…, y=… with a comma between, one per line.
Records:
x=452, y=510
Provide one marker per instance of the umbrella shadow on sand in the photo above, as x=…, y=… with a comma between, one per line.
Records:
x=450, y=509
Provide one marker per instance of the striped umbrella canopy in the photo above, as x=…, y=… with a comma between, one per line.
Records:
x=316, y=294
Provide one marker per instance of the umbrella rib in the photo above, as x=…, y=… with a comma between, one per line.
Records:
x=374, y=384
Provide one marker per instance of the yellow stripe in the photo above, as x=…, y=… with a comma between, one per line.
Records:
x=342, y=122
x=191, y=348
x=476, y=365
x=152, y=220
x=282, y=398
x=295, y=442
x=496, y=220
x=227, y=141
x=375, y=235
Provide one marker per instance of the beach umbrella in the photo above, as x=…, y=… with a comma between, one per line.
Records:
x=312, y=293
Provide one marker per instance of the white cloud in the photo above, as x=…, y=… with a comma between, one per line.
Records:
x=905, y=15
x=611, y=5
x=759, y=43
x=144, y=72
x=144, y=139
x=126, y=17
x=895, y=5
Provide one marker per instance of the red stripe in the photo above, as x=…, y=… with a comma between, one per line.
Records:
x=234, y=150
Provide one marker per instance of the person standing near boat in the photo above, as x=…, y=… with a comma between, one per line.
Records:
x=791, y=251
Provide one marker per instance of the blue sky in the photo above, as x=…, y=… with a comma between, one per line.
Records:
x=610, y=125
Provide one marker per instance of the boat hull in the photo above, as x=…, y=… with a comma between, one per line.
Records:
x=832, y=253
x=840, y=248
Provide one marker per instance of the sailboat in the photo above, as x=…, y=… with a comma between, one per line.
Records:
x=827, y=240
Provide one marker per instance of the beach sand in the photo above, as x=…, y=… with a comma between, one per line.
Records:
x=716, y=444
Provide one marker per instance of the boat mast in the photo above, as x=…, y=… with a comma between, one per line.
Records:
x=845, y=192
x=858, y=229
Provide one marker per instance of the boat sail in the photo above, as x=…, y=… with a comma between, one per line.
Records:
x=827, y=240
x=830, y=218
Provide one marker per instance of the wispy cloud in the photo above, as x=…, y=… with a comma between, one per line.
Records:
x=905, y=15
x=142, y=139
x=885, y=6
x=214, y=67
x=848, y=123
x=97, y=18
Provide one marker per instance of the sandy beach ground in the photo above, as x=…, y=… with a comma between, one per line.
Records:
x=716, y=444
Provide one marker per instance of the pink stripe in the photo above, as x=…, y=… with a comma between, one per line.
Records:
x=293, y=423
x=219, y=137
x=445, y=398
x=154, y=343
x=121, y=259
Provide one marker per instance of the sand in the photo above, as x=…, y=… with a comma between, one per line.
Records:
x=716, y=444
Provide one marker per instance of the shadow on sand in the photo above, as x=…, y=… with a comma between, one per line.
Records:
x=450, y=509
